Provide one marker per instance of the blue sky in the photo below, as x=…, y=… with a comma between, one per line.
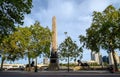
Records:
x=73, y=16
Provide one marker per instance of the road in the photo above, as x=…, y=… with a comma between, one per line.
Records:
x=58, y=74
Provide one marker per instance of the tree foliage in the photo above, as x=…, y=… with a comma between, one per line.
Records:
x=104, y=31
x=40, y=39
x=26, y=41
x=69, y=48
x=12, y=47
x=12, y=13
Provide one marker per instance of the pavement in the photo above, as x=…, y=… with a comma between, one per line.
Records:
x=82, y=73
x=65, y=71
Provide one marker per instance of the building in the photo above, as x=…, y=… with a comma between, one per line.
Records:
x=119, y=60
x=111, y=61
x=97, y=57
x=105, y=59
x=12, y=66
x=45, y=61
x=110, y=57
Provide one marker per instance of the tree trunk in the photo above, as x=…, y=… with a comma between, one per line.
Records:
x=114, y=57
x=29, y=63
x=115, y=61
x=3, y=59
x=68, y=63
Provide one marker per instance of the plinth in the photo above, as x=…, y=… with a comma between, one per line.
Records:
x=54, y=62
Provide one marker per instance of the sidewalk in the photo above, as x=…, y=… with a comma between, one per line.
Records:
x=59, y=73
x=65, y=71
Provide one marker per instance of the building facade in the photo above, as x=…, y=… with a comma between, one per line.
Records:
x=97, y=57
x=111, y=61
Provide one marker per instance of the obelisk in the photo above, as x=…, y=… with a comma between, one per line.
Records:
x=54, y=57
x=54, y=35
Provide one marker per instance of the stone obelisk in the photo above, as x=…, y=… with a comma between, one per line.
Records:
x=54, y=35
x=54, y=57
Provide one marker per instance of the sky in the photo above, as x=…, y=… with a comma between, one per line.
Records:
x=72, y=16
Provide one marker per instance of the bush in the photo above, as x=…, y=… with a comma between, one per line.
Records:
x=94, y=64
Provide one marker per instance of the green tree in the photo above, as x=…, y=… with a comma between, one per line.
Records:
x=24, y=35
x=31, y=41
x=16, y=45
x=11, y=48
x=104, y=32
x=36, y=40
x=69, y=50
x=3, y=50
x=12, y=13
x=40, y=40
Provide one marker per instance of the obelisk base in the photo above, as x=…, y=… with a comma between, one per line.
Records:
x=53, y=67
x=54, y=63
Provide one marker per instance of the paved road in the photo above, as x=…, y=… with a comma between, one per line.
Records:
x=59, y=74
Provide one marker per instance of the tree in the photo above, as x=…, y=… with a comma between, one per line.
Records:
x=104, y=32
x=12, y=13
x=36, y=40
x=69, y=49
x=24, y=35
x=40, y=40
x=11, y=48
x=17, y=44
x=31, y=41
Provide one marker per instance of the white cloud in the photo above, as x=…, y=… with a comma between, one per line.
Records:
x=98, y=5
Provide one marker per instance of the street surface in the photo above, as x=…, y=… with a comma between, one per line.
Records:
x=59, y=74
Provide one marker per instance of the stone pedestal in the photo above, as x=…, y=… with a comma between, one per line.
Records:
x=54, y=62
